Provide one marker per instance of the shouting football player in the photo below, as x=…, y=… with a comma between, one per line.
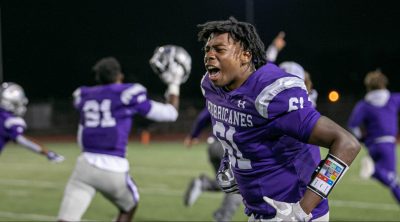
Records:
x=265, y=122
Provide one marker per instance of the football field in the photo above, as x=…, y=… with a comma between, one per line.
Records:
x=31, y=188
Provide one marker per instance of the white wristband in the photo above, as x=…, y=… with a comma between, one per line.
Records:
x=173, y=89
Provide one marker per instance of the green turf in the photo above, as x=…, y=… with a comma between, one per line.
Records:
x=31, y=188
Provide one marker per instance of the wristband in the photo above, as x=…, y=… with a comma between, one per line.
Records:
x=327, y=174
x=173, y=89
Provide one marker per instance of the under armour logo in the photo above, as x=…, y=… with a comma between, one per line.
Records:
x=241, y=104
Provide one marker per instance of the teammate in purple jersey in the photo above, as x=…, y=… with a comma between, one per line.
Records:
x=374, y=121
x=231, y=202
x=264, y=121
x=12, y=126
x=106, y=112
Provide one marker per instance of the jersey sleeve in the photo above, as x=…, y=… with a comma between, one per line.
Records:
x=285, y=102
x=77, y=99
x=356, y=117
x=396, y=97
x=201, y=122
x=297, y=124
x=136, y=96
x=14, y=126
x=282, y=96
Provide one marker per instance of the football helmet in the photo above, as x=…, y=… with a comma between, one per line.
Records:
x=169, y=60
x=12, y=98
x=225, y=178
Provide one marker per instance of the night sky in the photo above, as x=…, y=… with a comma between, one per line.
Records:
x=50, y=46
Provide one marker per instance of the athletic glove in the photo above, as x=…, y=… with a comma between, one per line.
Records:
x=174, y=74
x=287, y=211
x=225, y=177
x=54, y=157
x=173, y=65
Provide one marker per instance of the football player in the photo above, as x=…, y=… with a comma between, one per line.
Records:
x=265, y=122
x=13, y=104
x=231, y=202
x=374, y=121
x=106, y=112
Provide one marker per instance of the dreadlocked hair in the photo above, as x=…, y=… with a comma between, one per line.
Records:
x=242, y=32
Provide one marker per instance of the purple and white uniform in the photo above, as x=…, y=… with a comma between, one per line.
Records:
x=106, y=113
x=106, y=116
x=377, y=113
x=265, y=125
x=11, y=127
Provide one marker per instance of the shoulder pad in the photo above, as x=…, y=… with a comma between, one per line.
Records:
x=266, y=96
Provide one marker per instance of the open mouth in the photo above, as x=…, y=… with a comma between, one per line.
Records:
x=213, y=72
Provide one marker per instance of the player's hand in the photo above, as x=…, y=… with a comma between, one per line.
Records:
x=54, y=157
x=225, y=178
x=287, y=211
x=174, y=74
x=279, y=41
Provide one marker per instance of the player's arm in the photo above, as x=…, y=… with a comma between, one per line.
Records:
x=36, y=147
x=168, y=112
x=202, y=120
x=355, y=120
x=173, y=65
x=152, y=110
x=176, y=73
x=294, y=116
x=276, y=46
x=161, y=112
x=343, y=148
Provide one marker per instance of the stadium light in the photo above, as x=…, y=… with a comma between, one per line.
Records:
x=333, y=96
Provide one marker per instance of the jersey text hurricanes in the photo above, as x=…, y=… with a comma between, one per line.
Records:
x=230, y=116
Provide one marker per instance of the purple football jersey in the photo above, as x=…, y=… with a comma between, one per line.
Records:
x=264, y=125
x=379, y=121
x=106, y=113
x=201, y=122
x=10, y=127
